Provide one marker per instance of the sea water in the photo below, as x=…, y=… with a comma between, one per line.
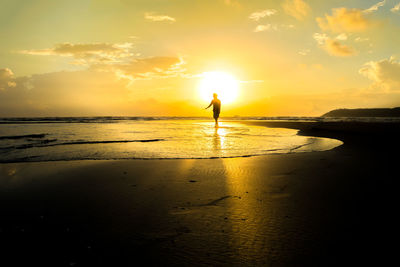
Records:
x=48, y=139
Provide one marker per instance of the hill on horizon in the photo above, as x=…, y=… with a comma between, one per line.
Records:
x=364, y=112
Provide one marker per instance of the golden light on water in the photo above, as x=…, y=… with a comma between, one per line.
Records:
x=222, y=83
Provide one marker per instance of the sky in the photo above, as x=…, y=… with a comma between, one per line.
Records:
x=148, y=57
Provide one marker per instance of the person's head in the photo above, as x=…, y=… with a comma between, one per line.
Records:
x=215, y=95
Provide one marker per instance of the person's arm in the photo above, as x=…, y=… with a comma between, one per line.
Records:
x=210, y=104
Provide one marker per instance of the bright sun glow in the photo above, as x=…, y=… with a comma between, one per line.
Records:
x=222, y=83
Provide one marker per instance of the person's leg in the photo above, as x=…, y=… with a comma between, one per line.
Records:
x=216, y=116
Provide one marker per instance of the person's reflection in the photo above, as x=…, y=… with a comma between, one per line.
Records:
x=217, y=141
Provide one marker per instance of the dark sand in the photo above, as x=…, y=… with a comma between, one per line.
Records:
x=332, y=208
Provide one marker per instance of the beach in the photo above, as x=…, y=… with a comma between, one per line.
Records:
x=324, y=208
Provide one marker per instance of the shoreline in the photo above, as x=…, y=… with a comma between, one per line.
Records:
x=53, y=147
x=306, y=209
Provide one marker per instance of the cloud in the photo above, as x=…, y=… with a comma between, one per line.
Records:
x=118, y=59
x=344, y=20
x=304, y=52
x=333, y=46
x=272, y=27
x=374, y=7
x=396, y=8
x=101, y=89
x=155, y=17
x=296, y=8
x=87, y=53
x=7, y=79
x=150, y=68
x=266, y=27
x=342, y=37
x=359, y=39
x=320, y=38
x=385, y=73
x=256, y=16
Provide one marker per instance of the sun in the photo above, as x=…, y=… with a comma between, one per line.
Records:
x=222, y=83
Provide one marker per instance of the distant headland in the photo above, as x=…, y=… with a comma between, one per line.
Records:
x=364, y=112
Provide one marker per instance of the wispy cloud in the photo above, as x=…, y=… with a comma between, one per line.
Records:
x=374, y=7
x=272, y=27
x=396, y=8
x=151, y=68
x=344, y=20
x=296, y=8
x=266, y=27
x=256, y=16
x=156, y=17
x=87, y=53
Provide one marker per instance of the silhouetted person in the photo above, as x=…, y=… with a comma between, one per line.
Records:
x=216, y=103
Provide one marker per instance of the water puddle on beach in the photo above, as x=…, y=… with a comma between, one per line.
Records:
x=163, y=139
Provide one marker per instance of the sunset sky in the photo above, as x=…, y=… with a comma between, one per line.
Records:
x=148, y=57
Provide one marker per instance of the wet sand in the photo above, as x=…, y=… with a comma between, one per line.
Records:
x=329, y=208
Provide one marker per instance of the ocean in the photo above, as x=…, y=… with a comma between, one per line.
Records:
x=104, y=138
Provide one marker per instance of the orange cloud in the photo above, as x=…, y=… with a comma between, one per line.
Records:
x=344, y=20
x=296, y=8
